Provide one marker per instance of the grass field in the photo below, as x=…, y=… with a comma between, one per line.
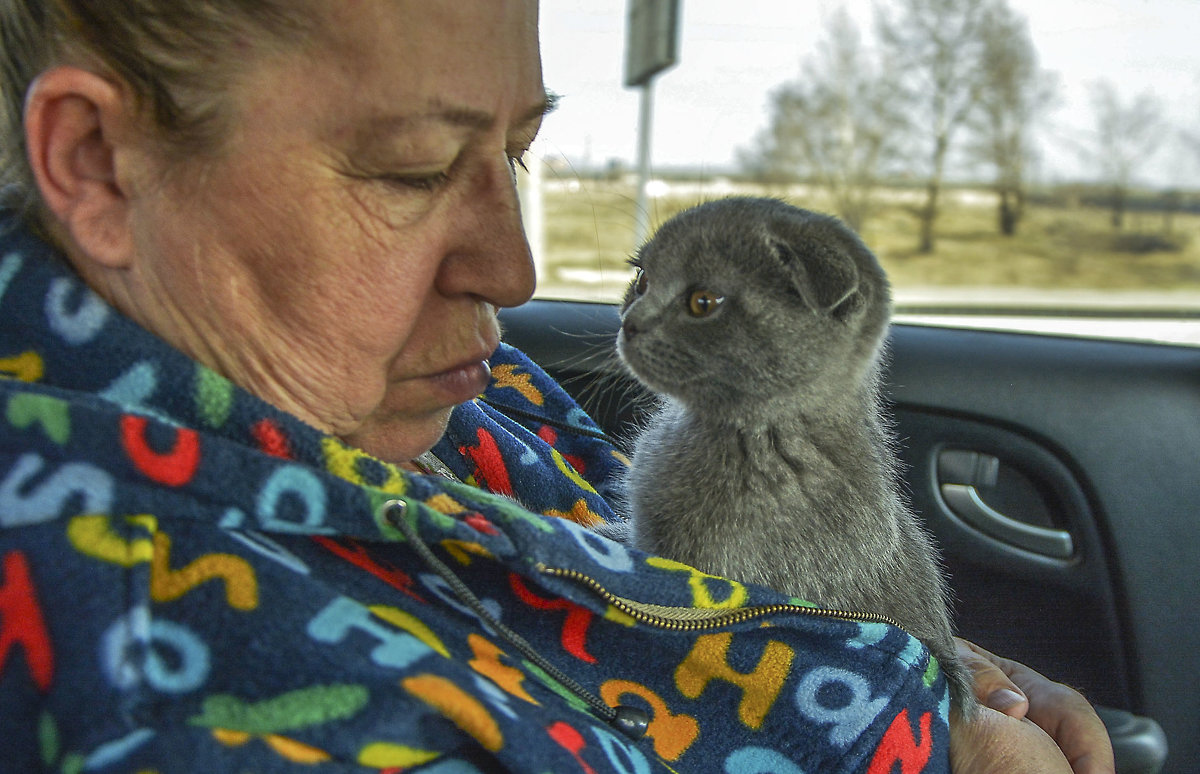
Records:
x=590, y=226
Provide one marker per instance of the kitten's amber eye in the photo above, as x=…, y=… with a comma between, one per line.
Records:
x=639, y=282
x=703, y=303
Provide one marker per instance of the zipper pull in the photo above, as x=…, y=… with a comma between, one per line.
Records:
x=630, y=721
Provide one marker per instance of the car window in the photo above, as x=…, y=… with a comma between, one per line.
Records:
x=1026, y=164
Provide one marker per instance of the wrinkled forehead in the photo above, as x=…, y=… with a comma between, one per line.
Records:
x=457, y=42
x=383, y=67
x=379, y=56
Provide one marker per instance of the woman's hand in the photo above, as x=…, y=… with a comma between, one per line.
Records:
x=1028, y=723
x=995, y=743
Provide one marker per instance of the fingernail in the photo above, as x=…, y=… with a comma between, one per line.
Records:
x=1002, y=699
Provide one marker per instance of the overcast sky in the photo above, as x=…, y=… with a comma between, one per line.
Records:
x=733, y=53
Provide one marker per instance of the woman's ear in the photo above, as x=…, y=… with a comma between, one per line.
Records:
x=75, y=124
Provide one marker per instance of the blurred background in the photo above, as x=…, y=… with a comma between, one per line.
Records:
x=1027, y=164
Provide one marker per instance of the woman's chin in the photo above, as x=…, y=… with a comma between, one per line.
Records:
x=400, y=439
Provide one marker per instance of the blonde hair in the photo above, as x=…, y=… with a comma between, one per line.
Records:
x=176, y=56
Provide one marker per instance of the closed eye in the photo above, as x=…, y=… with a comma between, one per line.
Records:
x=424, y=182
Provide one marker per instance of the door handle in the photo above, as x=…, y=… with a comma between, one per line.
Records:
x=960, y=473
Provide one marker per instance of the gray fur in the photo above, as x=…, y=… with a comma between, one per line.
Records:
x=769, y=460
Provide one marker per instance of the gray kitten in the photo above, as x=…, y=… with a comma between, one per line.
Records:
x=761, y=325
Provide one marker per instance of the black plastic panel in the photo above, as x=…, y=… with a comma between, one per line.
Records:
x=1056, y=615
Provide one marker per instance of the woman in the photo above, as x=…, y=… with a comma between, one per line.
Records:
x=255, y=248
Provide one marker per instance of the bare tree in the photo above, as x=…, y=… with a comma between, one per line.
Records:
x=1127, y=136
x=1014, y=91
x=936, y=47
x=838, y=124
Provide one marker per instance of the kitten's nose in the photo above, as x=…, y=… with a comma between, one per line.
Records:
x=629, y=329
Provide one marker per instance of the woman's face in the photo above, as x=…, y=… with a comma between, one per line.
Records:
x=345, y=254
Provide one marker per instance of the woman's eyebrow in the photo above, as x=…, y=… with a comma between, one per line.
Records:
x=453, y=115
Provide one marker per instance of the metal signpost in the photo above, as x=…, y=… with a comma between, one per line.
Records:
x=651, y=46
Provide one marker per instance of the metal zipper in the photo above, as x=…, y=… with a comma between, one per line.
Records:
x=692, y=619
x=631, y=721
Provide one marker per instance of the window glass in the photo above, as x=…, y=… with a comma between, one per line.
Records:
x=1030, y=164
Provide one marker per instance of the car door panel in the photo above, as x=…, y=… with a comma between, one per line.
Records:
x=1058, y=475
x=1055, y=613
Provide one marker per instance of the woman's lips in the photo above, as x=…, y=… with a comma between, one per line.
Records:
x=464, y=382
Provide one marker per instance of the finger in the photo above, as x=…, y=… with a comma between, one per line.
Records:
x=994, y=686
x=1070, y=720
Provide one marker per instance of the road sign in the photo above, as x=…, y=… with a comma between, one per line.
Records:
x=651, y=39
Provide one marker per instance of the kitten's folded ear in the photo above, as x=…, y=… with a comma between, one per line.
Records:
x=822, y=273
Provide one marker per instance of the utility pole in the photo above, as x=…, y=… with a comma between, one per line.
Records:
x=651, y=46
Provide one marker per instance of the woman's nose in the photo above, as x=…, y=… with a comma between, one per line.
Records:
x=490, y=257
